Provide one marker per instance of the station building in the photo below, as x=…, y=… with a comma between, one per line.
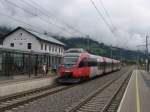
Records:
x=24, y=52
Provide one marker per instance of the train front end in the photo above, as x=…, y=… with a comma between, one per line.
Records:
x=70, y=70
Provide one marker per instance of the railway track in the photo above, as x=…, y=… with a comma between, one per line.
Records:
x=104, y=99
x=7, y=103
x=115, y=100
x=10, y=102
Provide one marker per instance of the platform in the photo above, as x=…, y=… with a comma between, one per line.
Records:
x=9, y=87
x=137, y=95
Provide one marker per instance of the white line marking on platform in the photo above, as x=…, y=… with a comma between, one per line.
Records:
x=119, y=109
x=137, y=95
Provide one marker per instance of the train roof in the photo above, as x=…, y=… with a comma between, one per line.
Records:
x=81, y=52
x=115, y=61
x=99, y=58
x=75, y=54
x=108, y=60
x=76, y=50
x=72, y=54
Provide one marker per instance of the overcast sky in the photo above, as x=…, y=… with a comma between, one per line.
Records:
x=130, y=19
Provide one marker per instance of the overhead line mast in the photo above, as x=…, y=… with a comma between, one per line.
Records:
x=147, y=63
x=146, y=53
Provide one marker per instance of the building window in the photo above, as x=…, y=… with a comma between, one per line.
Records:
x=11, y=44
x=41, y=46
x=59, y=50
x=45, y=47
x=49, y=48
x=29, y=45
x=53, y=49
x=62, y=50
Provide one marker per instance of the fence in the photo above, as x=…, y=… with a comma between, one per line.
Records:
x=13, y=62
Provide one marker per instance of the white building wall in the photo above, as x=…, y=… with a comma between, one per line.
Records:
x=21, y=39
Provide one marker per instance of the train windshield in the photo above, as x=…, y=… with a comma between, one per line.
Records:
x=70, y=60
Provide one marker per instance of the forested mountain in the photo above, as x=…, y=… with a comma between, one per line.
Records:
x=101, y=49
x=3, y=31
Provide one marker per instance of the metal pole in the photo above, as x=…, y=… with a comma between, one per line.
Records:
x=111, y=51
x=137, y=58
x=147, y=62
x=120, y=56
x=88, y=43
x=29, y=65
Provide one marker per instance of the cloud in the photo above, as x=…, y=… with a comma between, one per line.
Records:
x=130, y=18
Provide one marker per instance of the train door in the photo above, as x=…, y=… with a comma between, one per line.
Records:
x=99, y=68
x=92, y=63
x=102, y=67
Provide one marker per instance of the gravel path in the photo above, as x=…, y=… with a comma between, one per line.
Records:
x=60, y=101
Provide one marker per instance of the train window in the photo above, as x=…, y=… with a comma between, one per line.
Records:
x=103, y=65
x=106, y=64
x=92, y=62
x=99, y=65
x=83, y=63
x=69, y=61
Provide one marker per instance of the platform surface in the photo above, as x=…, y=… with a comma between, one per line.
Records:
x=137, y=95
x=10, y=87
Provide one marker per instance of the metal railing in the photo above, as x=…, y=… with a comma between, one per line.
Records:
x=13, y=62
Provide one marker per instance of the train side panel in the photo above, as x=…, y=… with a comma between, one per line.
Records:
x=81, y=72
x=85, y=65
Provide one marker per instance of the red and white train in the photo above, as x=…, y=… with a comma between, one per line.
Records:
x=79, y=65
